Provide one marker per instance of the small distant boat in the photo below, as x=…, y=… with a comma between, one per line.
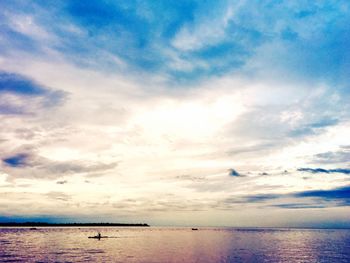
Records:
x=99, y=236
x=33, y=228
x=194, y=229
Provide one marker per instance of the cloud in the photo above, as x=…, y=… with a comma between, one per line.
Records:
x=324, y=123
x=14, y=83
x=319, y=199
x=259, y=198
x=190, y=178
x=37, y=166
x=313, y=128
x=339, y=156
x=18, y=160
x=233, y=172
x=341, y=194
x=321, y=170
x=299, y=206
x=22, y=95
x=59, y=196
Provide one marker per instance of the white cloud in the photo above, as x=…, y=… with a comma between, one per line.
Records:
x=205, y=31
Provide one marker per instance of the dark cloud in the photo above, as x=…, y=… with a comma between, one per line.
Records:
x=299, y=206
x=340, y=156
x=340, y=170
x=264, y=173
x=22, y=95
x=341, y=194
x=75, y=166
x=233, y=172
x=18, y=160
x=7, y=109
x=313, y=170
x=37, y=166
x=14, y=83
x=319, y=199
x=314, y=127
x=62, y=182
x=259, y=198
x=328, y=171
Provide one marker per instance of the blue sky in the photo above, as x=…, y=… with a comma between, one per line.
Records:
x=189, y=40
x=172, y=111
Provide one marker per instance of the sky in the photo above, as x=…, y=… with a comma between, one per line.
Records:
x=208, y=113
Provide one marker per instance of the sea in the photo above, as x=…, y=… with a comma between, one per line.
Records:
x=163, y=244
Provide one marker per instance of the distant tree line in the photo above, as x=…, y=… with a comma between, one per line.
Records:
x=43, y=224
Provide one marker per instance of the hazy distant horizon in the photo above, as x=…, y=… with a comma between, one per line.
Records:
x=45, y=220
x=176, y=113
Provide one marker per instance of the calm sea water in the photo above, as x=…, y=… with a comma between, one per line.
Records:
x=174, y=245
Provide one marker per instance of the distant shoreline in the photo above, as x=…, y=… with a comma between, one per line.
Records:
x=43, y=224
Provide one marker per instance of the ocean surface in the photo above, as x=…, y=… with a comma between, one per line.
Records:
x=158, y=244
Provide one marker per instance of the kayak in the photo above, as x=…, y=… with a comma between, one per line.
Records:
x=99, y=237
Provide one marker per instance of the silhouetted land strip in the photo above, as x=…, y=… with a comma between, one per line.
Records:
x=43, y=224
